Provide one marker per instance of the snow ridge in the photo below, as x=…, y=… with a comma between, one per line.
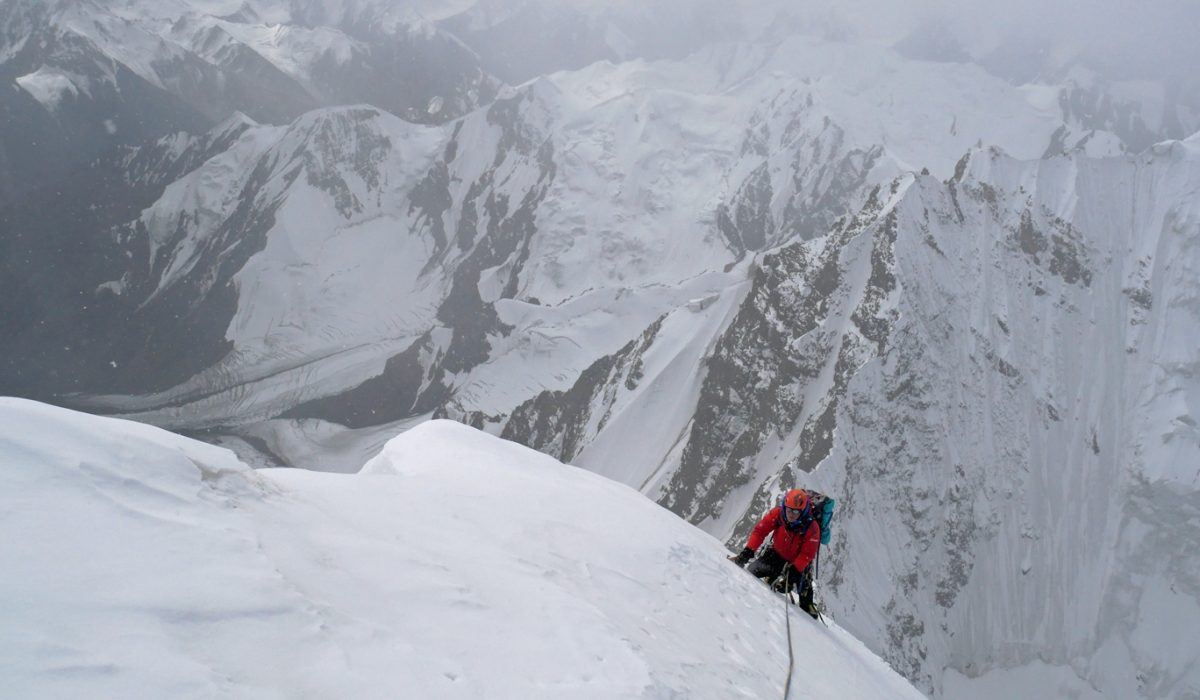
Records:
x=192, y=576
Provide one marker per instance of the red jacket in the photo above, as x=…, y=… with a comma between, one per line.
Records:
x=797, y=547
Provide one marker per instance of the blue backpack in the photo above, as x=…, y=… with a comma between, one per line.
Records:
x=822, y=511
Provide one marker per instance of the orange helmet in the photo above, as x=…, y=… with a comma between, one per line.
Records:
x=794, y=508
x=796, y=498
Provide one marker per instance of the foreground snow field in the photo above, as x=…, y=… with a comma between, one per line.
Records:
x=137, y=563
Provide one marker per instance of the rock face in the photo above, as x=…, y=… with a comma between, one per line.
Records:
x=65, y=103
x=777, y=373
x=564, y=422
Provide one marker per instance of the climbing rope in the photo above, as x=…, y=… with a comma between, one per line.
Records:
x=787, y=616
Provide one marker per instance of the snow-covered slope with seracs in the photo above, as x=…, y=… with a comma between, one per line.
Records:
x=453, y=565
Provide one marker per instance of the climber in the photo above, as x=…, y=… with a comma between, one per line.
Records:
x=797, y=538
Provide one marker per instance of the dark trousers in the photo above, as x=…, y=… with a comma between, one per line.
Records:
x=770, y=566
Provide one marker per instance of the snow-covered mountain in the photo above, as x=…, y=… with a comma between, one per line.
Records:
x=949, y=283
x=82, y=76
x=453, y=565
x=610, y=179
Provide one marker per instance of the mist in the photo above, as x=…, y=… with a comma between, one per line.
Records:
x=1121, y=39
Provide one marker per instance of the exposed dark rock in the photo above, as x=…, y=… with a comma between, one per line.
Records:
x=423, y=78
x=560, y=423
x=826, y=182
x=431, y=197
x=1141, y=297
x=748, y=225
x=1068, y=258
x=758, y=372
x=1095, y=108
x=340, y=141
x=68, y=337
x=392, y=395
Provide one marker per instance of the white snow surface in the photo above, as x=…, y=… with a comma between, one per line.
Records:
x=454, y=565
x=50, y=85
x=1050, y=681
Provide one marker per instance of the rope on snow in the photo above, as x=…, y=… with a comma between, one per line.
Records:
x=787, y=616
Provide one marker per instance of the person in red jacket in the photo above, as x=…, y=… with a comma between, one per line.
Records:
x=796, y=539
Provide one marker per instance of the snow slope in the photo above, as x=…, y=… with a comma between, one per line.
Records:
x=454, y=565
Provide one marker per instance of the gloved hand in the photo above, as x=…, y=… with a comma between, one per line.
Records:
x=744, y=557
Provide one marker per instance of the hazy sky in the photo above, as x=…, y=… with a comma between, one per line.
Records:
x=1142, y=38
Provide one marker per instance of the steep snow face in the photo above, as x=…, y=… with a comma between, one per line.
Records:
x=1024, y=429
x=454, y=565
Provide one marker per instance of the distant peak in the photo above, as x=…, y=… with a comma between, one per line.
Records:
x=243, y=15
x=237, y=120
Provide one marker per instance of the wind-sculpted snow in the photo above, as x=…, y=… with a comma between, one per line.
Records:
x=454, y=565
